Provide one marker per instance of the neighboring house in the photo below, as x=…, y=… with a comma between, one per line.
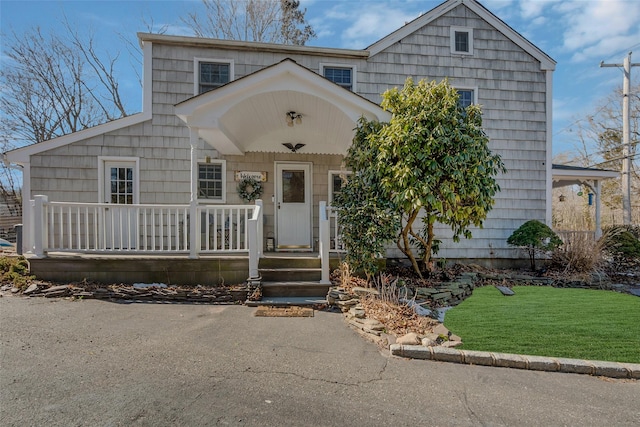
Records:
x=212, y=108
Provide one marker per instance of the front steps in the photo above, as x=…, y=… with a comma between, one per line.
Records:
x=291, y=279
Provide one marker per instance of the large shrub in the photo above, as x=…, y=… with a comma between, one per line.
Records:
x=535, y=238
x=621, y=243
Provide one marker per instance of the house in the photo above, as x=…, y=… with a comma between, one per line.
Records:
x=163, y=184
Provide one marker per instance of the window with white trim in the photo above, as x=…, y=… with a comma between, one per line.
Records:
x=212, y=180
x=211, y=74
x=462, y=40
x=467, y=97
x=337, y=180
x=341, y=75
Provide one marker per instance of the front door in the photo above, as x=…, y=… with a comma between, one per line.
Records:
x=293, y=206
x=120, y=189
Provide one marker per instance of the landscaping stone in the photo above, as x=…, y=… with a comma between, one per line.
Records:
x=360, y=291
x=505, y=360
x=576, y=366
x=440, y=329
x=477, y=357
x=505, y=290
x=412, y=351
x=357, y=311
x=451, y=344
x=409, y=339
x=611, y=370
x=32, y=288
x=444, y=354
x=634, y=370
x=428, y=342
x=540, y=363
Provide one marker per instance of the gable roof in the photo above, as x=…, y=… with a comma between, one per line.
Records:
x=248, y=114
x=546, y=62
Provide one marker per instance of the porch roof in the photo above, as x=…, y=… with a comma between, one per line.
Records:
x=250, y=113
x=565, y=175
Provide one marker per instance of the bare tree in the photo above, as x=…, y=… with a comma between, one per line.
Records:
x=269, y=21
x=600, y=137
x=52, y=84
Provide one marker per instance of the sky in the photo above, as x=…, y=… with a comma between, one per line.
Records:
x=577, y=34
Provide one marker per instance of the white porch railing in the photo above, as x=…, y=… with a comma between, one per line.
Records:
x=330, y=238
x=145, y=229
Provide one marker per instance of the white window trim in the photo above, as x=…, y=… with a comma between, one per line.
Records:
x=102, y=160
x=196, y=70
x=473, y=88
x=224, y=181
x=330, y=180
x=324, y=65
x=453, y=40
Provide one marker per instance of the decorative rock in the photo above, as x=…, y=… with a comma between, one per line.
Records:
x=32, y=288
x=358, y=290
x=409, y=339
x=373, y=324
x=357, y=311
x=15, y=290
x=451, y=344
x=56, y=289
x=431, y=336
x=428, y=342
x=440, y=329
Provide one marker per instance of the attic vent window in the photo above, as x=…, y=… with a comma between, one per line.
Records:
x=462, y=40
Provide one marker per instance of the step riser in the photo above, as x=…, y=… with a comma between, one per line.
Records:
x=284, y=263
x=290, y=276
x=296, y=291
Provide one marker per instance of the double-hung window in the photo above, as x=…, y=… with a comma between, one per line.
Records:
x=211, y=74
x=340, y=75
x=211, y=181
x=462, y=40
x=466, y=97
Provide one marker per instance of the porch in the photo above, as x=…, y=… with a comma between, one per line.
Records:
x=180, y=244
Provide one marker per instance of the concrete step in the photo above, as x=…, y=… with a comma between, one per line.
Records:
x=287, y=301
x=291, y=274
x=284, y=261
x=294, y=289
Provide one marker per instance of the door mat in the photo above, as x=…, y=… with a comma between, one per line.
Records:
x=283, y=312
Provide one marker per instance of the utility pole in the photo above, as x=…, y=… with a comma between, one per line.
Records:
x=626, y=143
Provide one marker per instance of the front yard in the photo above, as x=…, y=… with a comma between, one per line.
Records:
x=547, y=321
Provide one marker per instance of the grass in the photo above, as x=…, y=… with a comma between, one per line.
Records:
x=546, y=321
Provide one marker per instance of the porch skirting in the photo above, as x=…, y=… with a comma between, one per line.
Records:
x=171, y=270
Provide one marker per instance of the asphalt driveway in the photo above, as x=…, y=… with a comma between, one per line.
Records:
x=97, y=363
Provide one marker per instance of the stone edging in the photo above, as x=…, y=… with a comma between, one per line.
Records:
x=533, y=363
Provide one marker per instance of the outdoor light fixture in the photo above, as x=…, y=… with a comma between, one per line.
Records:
x=293, y=116
x=292, y=147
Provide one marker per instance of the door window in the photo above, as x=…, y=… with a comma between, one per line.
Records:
x=293, y=186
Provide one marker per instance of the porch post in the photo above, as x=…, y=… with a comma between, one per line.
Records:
x=324, y=243
x=597, y=185
x=194, y=229
x=253, y=230
x=260, y=224
x=38, y=225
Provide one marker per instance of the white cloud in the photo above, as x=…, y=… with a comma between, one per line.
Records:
x=601, y=27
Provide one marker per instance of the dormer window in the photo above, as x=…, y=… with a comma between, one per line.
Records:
x=341, y=75
x=462, y=40
x=211, y=74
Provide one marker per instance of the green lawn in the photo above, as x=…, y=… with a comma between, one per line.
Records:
x=546, y=321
